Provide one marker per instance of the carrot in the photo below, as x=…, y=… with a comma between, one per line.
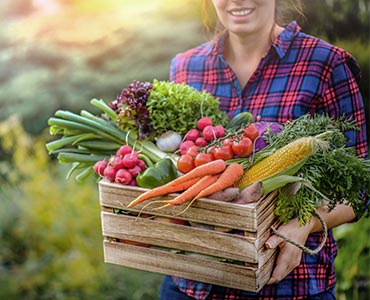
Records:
x=162, y=190
x=232, y=173
x=210, y=168
x=192, y=191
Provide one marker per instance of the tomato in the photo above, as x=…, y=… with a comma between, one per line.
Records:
x=185, y=163
x=202, y=158
x=193, y=151
x=242, y=148
x=251, y=132
x=227, y=141
x=211, y=149
x=224, y=152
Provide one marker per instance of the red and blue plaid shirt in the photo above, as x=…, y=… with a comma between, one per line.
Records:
x=300, y=74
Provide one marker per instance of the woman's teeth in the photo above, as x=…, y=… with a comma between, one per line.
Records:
x=241, y=12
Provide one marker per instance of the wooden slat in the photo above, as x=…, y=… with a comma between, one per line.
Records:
x=187, y=238
x=236, y=216
x=196, y=268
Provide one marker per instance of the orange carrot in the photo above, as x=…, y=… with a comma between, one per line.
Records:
x=162, y=190
x=231, y=174
x=213, y=167
x=192, y=191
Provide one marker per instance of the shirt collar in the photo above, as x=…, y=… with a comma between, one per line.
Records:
x=284, y=40
x=281, y=43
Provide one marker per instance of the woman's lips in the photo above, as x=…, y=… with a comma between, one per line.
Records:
x=241, y=12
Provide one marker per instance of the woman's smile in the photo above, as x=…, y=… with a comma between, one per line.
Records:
x=241, y=12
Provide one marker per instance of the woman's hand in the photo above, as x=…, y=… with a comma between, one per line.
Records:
x=289, y=256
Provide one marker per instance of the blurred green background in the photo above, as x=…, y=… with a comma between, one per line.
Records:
x=62, y=53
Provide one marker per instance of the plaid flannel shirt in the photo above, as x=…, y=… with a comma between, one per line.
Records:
x=299, y=74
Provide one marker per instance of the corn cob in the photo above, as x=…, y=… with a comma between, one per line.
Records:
x=280, y=161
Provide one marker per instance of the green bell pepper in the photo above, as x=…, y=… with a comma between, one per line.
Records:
x=161, y=173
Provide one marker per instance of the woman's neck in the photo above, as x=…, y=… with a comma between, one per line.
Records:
x=244, y=52
x=252, y=46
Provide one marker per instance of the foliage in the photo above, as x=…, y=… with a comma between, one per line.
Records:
x=50, y=232
x=338, y=19
x=48, y=65
x=353, y=261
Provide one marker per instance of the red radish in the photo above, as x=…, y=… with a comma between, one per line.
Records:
x=209, y=133
x=123, y=176
x=184, y=147
x=130, y=160
x=110, y=173
x=99, y=167
x=135, y=171
x=123, y=150
x=141, y=164
x=117, y=162
x=203, y=122
x=201, y=142
x=133, y=182
x=220, y=131
x=192, y=135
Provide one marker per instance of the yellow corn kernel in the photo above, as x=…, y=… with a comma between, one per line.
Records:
x=279, y=161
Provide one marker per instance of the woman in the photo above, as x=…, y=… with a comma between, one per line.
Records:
x=277, y=73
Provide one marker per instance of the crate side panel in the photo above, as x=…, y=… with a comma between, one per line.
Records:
x=195, y=268
x=205, y=211
x=180, y=237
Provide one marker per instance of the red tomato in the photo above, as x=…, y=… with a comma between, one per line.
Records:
x=185, y=163
x=211, y=149
x=202, y=158
x=224, y=152
x=251, y=132
x=227, y=141
x=193, y=151
x=243, y=148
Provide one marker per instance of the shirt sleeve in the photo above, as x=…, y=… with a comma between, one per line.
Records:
x=343, y=98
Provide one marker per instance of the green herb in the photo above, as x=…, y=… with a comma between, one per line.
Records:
x=334, y=176
x=178, y=107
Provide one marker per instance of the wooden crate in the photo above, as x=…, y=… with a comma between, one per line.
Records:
x=235, y=259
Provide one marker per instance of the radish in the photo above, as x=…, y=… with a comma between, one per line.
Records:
x=135, y=170
x=110, y=173
x=203, y=122
x=123, y=150
x=141, y=164
x=99, y=167
x=220, y=131
x=117, y=162
x=130, y=160
x=132, y=182
x=201, y=142
x=209, y=133
x=123, y=176
x=192, y=135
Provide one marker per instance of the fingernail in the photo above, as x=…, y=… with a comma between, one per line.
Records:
x=268, y=245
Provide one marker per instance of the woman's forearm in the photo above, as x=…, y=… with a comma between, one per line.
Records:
x=341, y=214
